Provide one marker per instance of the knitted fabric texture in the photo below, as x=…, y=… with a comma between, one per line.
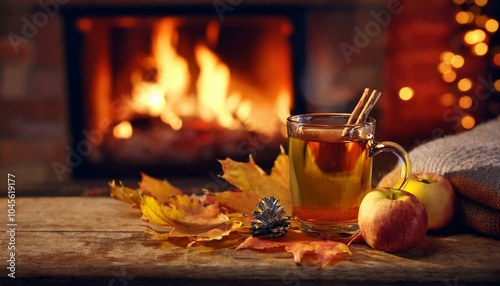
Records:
x=471, y=162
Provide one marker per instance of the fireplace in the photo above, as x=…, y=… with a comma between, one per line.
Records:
x=172, y=89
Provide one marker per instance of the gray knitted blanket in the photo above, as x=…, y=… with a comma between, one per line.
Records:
x=471, y=162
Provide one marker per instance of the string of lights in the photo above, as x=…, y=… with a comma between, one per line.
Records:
x=477, y=31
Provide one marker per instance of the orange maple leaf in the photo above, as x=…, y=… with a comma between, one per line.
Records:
x=327, y=252
x=160, y=189
x=254, y=184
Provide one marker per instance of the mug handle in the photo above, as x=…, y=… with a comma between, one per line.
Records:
x=400, y=152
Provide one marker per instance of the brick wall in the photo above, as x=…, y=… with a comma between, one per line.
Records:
x=33, y=109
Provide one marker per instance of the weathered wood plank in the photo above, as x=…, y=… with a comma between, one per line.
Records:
x=74, y=214
x=104, y=254
x=100, y=239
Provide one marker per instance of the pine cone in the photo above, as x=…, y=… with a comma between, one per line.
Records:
x=269, y=220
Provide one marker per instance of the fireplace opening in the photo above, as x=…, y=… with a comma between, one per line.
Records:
x=171, y=93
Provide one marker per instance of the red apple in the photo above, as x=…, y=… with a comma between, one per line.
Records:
x=392, y=220
x=437, y=195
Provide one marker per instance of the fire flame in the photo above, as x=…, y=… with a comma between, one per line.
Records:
x=173, y=73
x=167, y=95
x=212, y=87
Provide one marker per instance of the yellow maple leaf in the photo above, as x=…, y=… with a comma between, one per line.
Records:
x=160, y=189
x=216, y=233
x=254, y=184
x=125, y=194
x=178, y=215
x=189, y=214
x=196, y=217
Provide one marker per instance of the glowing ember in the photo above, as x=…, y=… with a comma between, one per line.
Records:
x=123, y=130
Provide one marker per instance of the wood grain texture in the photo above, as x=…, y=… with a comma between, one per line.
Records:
x=100, y=241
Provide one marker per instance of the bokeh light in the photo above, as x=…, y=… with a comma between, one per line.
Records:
x=444, y=67
x=474, y=36
x=449, y=76
x=468, y=122
x=496, y=59
x=457, y=61
x=481, y=3
x=491, y=25
x=496, y=85
x=464, y=17
x=406, y=93
x=446, y=56
x=465, y=102
x=480, y=49
x=464, y=84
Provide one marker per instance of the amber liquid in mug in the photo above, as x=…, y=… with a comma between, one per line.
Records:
x=329, y=178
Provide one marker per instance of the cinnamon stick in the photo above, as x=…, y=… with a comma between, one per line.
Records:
x=363, y=108
x=372, y=100
x=359, y=107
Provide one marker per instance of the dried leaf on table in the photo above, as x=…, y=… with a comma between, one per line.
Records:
x=125, y=194
x=254, y=184
x=192, y=211
x=161, y=189
x=197, y=217
x=170, y=213
x=216, y=233
x=327, y=252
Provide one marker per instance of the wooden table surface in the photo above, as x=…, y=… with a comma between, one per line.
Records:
x=100, y=241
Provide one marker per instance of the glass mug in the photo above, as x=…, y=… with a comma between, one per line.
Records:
x=331, y=171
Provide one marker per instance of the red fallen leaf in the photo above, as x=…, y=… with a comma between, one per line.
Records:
x=255, y=184
x=327, y=252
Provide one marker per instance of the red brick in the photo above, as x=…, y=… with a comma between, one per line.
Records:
x=33, y=108
x=49, y=44
x=19, y=152
x=47, y=82
x=31, y=117
x=8, y=53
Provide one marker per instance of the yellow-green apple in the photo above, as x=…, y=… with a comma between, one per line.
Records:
x=392, y=220
x=437, y=195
